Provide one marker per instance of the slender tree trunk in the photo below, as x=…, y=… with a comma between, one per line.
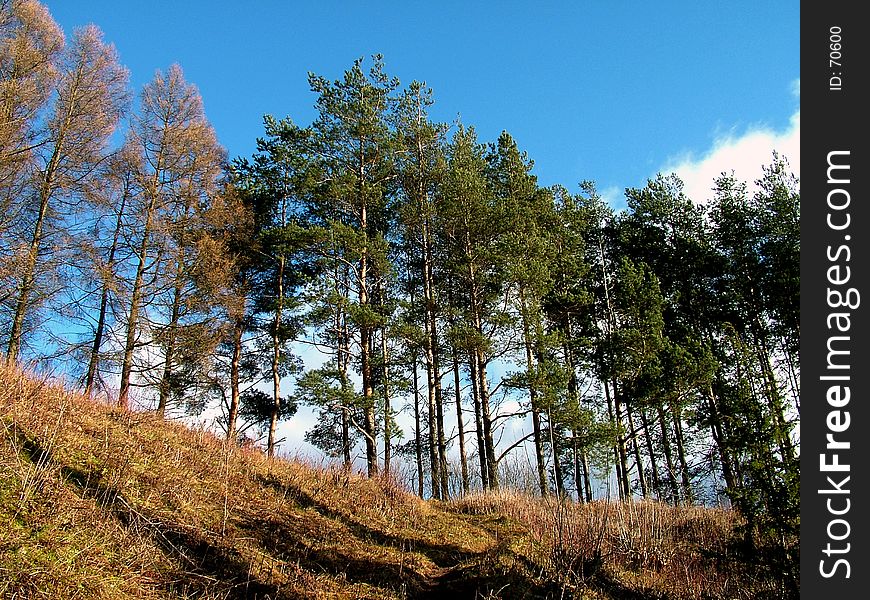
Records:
x=418, y=445
x=541, y=465
x=557, y=466
x=612, y=417
x=533, y=400
x=636, y=450
x=720, y=441
x=46, y=190
x=135, y=301
x=387, y=410
x=478, y=419
x=276, y=361
x=792, y=368
x=235, y=362
x=342, y=358
x=491, y=465
x=28, y=276
x=369, y=407
x=172, y=331
x=460, y=422
x=442, y=448
x=774, y=399
x=586, y=476
x=581, y=477
x=99, y=332
x=656, y=483
x=172, y=327
x=433, y=381
x=614, y=410
x=666, y=446
x=434, y=461
x=622, y=455
x=578, y=475
x=365, y=330
x=688, y=496
x=480, y=368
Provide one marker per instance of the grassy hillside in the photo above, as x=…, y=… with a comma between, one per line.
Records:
x=99, y=503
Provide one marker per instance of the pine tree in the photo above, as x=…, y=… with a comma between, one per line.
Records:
x=529, y=213
x=420, y=168
x=471, y=225
x=353, y=144
x=276, y=186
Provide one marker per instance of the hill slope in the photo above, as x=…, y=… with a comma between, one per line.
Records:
x=101, y=503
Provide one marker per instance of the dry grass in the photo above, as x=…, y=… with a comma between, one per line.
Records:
x=101, y=503
x=633, y=549
x=96, y=502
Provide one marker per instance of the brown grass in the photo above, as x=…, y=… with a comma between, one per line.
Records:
x=639, y=549
x=101, y=503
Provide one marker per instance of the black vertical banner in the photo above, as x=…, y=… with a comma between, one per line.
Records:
x=835, y=298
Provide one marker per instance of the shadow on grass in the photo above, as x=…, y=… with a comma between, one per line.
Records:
x=463, y=574
x=204, y=568
x=318, y=551
x=443, y=555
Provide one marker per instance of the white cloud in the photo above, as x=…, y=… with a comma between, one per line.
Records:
x=613, y=196
x=745, y=154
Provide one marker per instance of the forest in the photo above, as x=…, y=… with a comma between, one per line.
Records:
x=476, y=330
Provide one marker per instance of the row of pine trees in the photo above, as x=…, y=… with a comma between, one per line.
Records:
x=448, y=294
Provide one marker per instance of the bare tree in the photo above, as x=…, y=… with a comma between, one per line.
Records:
x=30, y=42
x=180, y=162
x=90, y=93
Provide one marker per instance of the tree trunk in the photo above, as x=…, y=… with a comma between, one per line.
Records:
x=625, y=484
x=172, y=330
x=719, y=438
x=480, y=368
x=46, y=189
x=442, y=447
x=460, y=422
x=418, y=443
x=688, y=496
x=491, y=465
x=342, y=357
x=365, y=330
x=656, y=482
x=478, y=419
x=557, y=466
x=774, y=400
x=578, y=475
x=586, y=476
x=369, y=407
x=387, y=410
x=636, y=449
x=233, y=414
x=434, y=461
x=133, y=316
x=533, y=401
x=276, y=361
x=666, y=446
x=433, y=381
x=612, y=417
x=28, y=276
x=99, y=332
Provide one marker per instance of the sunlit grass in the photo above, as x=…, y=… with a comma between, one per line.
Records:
x=101, y=503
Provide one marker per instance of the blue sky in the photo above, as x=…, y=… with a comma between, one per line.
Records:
x=608, y=91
